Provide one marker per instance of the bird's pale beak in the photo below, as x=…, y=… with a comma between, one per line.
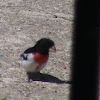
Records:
x=53, y=49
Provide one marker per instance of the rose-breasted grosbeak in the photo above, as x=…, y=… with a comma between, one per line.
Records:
x=35, y=58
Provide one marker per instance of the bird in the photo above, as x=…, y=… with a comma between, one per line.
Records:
x=35, y=58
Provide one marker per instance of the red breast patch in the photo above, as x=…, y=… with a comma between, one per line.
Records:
x=40, y=59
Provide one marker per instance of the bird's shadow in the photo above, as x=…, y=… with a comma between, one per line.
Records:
x=46, y=78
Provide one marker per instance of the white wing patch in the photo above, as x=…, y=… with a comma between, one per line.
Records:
x=29, y=64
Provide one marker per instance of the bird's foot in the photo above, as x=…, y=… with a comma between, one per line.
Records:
x=33, y=76
x=28, y=76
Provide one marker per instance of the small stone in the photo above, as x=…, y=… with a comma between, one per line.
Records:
x=64, y=67
x=55, y=16
x=1, y=54
x=3, y=98
x=18, y=29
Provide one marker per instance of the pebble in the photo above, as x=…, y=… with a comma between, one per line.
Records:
x=64, y=67
x=1, y=54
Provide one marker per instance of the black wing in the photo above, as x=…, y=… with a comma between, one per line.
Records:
x=30, y=50
x=26, y=52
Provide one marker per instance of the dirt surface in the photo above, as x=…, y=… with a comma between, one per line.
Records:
x=22, y=23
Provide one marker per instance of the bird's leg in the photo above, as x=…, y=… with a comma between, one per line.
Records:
x=28, y=76
x=33, y=75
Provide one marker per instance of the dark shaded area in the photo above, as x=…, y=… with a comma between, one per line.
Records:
x=46, y=78
x=86, y=50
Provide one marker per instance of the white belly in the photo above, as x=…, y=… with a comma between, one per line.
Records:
x=30, y=66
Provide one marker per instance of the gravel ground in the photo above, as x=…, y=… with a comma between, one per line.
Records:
x=22, y=23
